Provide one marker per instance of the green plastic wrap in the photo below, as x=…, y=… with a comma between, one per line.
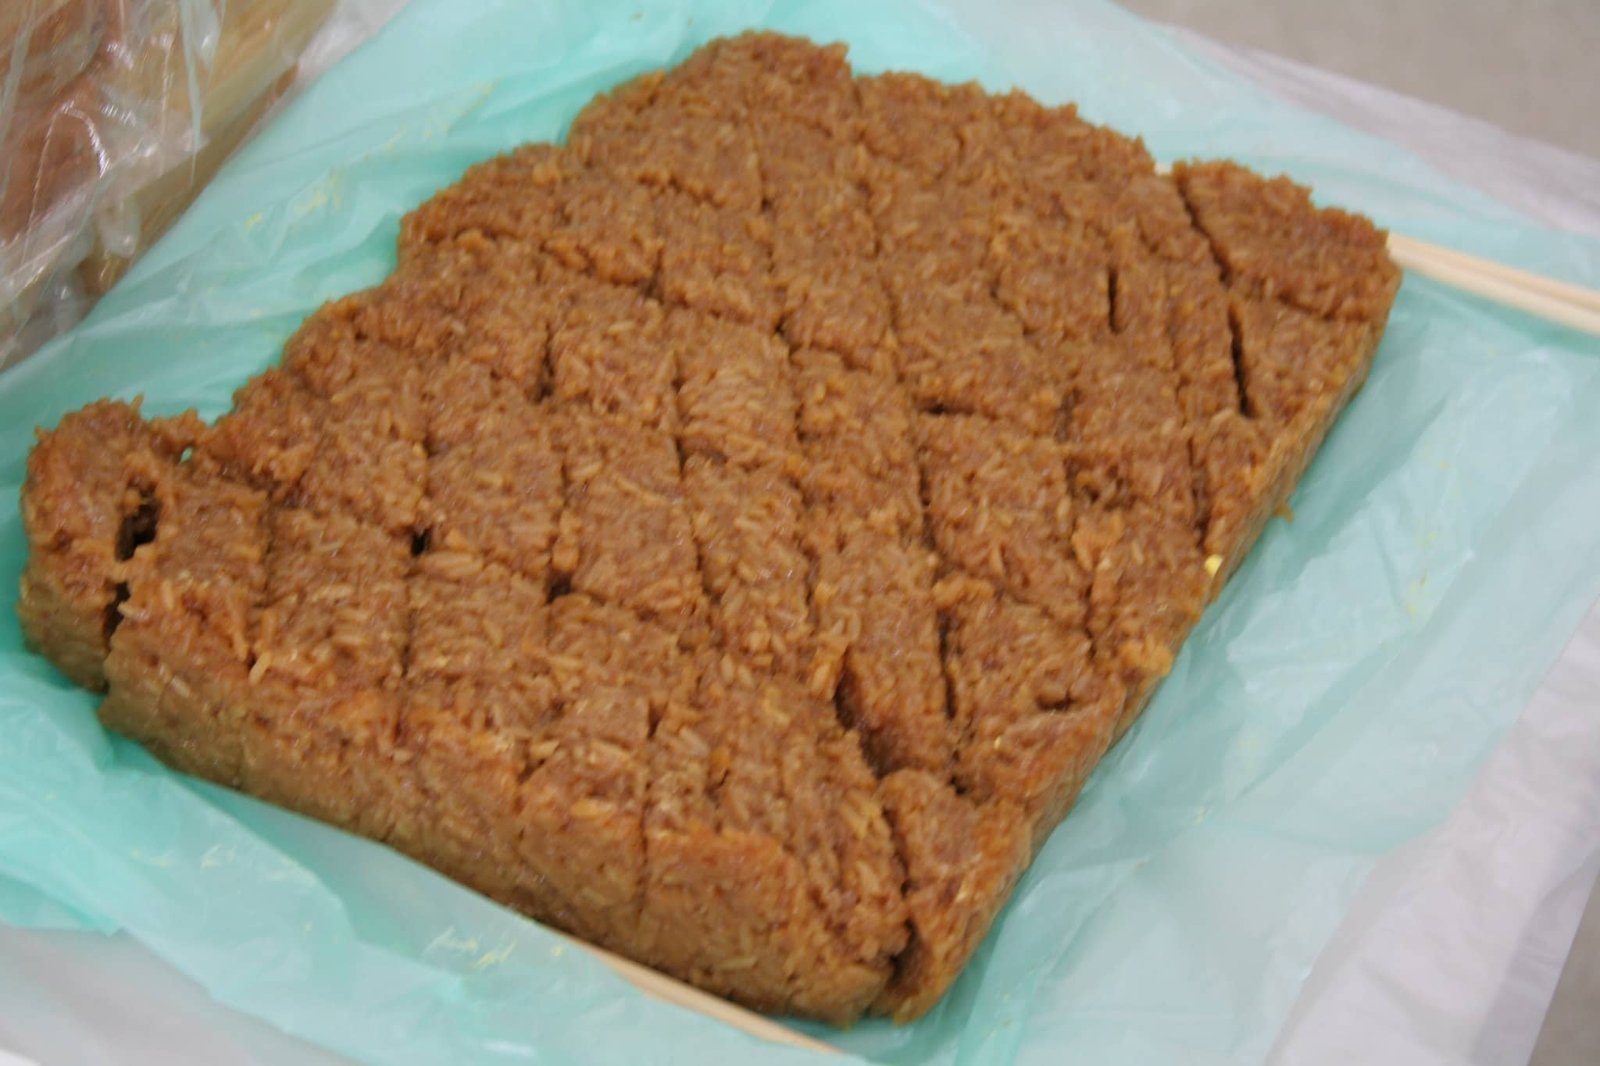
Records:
x=1334, y=703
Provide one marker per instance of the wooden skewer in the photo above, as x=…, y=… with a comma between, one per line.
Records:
x=669, y=990
x=1558, y=301
x=1420, y=251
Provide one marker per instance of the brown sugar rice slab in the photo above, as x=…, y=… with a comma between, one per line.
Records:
x=746, y=520
x=479, y=700
x=494, y=478
x=323, y=703
x=183, y=647
x=857, y=433
x=88, y=505
x=626, y=536
x=735, y=537
x=1307, y=289
x=773, y=878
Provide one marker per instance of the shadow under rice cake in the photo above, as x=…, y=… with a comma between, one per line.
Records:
x=732, y=536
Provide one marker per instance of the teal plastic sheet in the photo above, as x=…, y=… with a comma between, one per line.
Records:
x=1333, y=704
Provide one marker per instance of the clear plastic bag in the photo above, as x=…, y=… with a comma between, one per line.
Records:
x=113, y=113
x=1336, y=702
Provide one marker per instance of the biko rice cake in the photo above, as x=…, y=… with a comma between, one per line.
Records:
x=733, y=536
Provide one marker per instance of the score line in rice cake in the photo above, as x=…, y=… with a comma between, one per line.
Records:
x=732, y=536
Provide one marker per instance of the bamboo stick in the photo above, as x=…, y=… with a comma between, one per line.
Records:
x=670, y=990
x=1557, y=301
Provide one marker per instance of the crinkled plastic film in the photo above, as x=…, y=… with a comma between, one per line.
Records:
x=112, y=114
x=1336, y=702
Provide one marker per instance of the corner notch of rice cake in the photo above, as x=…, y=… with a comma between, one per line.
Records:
x=87, y=505
x=961, y=860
